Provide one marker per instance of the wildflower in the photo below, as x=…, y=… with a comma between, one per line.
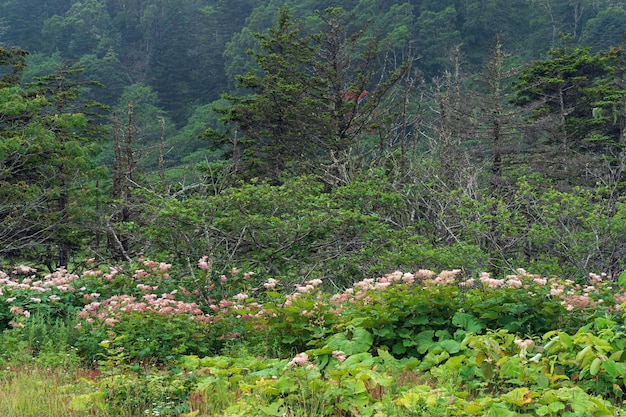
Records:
x=524, y=345
x=408, y=278
x=364, y=285
x=166, y=310
x=304, y=289
x=140, y=273
x=467, y=283
x=425, y=274
x=491, y=282
x=589, y=288
x=23, y=270
x=16, y=310
x=35, y=300
x=271, y=283
x=315, y=282
x=145, y=288
x=447, y=277
x=88, y=297
x=514, y=283
x=556, y=291
x=381, y=285
x=339, y=355
x=240, y=297
x=203, y=264
x=299, y=360
x=150, y=264
x=109, y=321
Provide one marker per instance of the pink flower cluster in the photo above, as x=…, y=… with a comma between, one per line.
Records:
x=300, y=359
x=359, y=289
x=489, y=282
x=103, y=276
x=23, y=270
x=308, y=286
x=110, y=310
x=203, y=263
x=19, y=311
x=29, y=286
x=574, y=296
x=270, y=284
x=339, y=355
x=152, y=267
x=159, y=267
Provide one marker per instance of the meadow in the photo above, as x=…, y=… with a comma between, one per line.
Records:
x=150, y=339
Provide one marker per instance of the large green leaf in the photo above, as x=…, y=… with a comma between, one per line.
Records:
x=425, y=340
x=452, y=346
x=352, y=341
x=467, y=322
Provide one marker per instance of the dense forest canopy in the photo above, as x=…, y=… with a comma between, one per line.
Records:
x=189, y=51
x=304, y=138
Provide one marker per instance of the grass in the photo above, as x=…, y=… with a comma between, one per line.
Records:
x=32, y=390
x=37, y=392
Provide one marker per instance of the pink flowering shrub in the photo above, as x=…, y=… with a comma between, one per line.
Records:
x=211, y=286
x=149, y=312
x=24, y=292
x=410, y=312
x=147, y=336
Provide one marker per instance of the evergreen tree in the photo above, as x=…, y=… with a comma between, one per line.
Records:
x=318, y=102
x=578, y=113
x=47, y=147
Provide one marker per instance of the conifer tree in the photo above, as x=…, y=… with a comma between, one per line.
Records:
x=317, y=100
x=48, y=142
x=578, y=112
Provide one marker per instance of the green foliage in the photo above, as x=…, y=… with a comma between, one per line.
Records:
x=311, y=100
x=148, y=393
x=605, y=30
x=401, y=344
x=572, y=94
x=49, y=142
x=147, y=338
x=461, y=342
x=448, y=36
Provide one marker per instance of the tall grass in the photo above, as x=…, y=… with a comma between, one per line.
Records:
x=35, y=391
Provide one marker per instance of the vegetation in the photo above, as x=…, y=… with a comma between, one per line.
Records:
x=401, y=344
x=196, y=198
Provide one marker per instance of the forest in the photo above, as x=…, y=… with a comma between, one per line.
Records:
x=239, y=173
x=486, y=135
